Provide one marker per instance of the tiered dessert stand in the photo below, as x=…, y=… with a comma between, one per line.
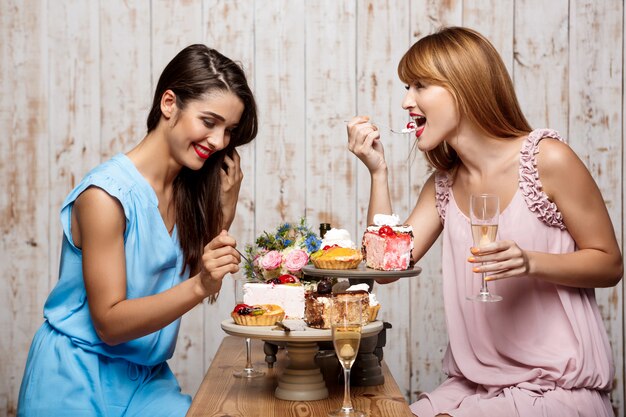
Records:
x=302, y=380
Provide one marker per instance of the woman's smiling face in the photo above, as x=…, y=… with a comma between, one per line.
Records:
x=203, y=127
x=434, y=111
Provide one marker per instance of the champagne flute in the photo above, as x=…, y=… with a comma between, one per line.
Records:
x=346, y=321
x=484, y=213
x=248, y=371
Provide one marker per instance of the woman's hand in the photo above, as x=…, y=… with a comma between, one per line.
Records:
x=502, y=259
x=364, y=142
x=231, y=177
x=219, y=258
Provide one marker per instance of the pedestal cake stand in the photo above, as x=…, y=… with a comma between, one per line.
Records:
x=302, y=380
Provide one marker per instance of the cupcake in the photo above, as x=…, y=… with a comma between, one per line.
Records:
x=257, y=315
x=338, y=251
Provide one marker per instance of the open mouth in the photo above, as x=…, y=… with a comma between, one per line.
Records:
x=420, y=121
x=420, y=124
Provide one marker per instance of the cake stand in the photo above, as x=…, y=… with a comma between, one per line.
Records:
x=302, y=380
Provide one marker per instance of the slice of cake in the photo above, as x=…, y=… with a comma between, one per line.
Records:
x=372, y=307
x=317, y=304
x=317, y=310
x=284, y=291
x=386, y=245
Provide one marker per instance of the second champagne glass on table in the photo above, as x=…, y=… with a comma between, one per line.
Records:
x=347, y=321
x=484, y=214
x=248, y=371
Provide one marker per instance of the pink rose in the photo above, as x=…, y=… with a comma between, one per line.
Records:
x=271, y=260
x=296, y=260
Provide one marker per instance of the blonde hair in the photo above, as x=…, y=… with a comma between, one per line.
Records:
x=466, y=64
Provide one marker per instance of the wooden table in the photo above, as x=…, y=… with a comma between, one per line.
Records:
x=221, y=394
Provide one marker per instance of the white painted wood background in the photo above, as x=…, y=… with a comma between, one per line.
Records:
x=76, y=79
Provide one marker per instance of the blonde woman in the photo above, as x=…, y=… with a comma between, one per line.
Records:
x=543, y=349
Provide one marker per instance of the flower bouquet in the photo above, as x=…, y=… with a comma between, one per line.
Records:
x=283, y=252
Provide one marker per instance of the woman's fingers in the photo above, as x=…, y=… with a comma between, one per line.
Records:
x=498, y=260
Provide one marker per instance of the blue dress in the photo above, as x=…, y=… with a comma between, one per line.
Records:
x=69, y=370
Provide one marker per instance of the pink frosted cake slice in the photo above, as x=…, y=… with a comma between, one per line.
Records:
x=388, y=248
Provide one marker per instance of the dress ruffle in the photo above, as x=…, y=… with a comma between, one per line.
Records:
x=529, y=183
x=443, y=182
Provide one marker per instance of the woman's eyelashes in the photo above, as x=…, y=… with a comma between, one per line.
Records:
x=209, y=123
x=416, y=84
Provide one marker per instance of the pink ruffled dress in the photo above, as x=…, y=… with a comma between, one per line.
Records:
x=541, y=351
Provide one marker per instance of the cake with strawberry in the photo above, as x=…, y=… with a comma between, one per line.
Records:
x=387, y=245
x=337, y=251
x=285, y=291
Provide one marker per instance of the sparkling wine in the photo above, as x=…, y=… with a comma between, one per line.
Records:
x=346, y=340
x=484, y=233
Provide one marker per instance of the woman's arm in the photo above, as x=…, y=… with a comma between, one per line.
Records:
x=98, y=228
x=597, y=262
x=364, y=142
x=425, y=220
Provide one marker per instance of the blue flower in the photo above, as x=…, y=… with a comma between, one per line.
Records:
x=312, y=243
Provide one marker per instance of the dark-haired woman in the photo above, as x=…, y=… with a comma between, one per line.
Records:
x=145, y=240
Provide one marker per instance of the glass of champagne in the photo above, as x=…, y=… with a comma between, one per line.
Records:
x=346, y=321
x=248, y=371
x=484, y=213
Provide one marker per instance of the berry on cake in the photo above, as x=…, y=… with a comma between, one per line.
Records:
x=387, y=245
x=337, y=251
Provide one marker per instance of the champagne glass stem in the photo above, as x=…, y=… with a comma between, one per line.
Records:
x=347, y=402
x=483, y=286
x=248, y=355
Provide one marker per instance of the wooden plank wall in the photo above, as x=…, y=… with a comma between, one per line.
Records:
x=77, y=79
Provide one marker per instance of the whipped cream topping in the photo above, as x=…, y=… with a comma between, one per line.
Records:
x=358, y=287
x=339, y=237
x=364, y=287
x=386, y=219
x=391, y=220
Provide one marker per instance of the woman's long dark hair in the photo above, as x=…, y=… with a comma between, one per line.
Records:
x=193, y=73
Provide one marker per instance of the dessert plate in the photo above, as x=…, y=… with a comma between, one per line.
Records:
x=361, y=271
